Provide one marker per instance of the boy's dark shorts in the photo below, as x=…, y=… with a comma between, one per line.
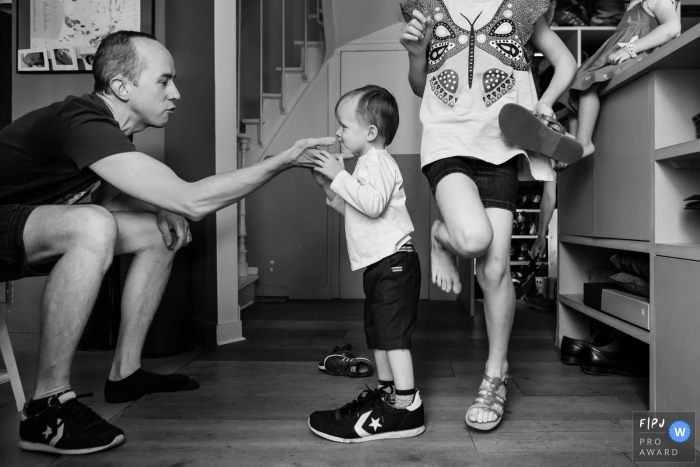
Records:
x=497, y=184
x=392, y=290
x=13, y=258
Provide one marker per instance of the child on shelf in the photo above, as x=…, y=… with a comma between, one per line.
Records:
x=467, y=60
x=646, y=25
x=378, y=230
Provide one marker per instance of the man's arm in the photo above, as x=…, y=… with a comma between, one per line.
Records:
x=154, y=183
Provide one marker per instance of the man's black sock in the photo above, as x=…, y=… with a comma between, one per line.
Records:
x=143, y=382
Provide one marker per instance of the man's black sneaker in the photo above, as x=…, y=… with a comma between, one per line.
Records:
x=344, y=351
x=369, y=420
x=63, y=425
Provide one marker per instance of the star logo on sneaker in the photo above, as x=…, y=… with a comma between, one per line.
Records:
x=375, y=424
x=48, y=432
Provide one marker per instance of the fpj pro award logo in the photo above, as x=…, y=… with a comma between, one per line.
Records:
x=664, y=437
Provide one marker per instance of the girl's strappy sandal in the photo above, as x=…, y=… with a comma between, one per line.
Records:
x=542, y=134
x=489, y=399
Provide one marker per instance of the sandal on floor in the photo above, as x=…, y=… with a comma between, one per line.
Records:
x=489, y=399
x=542, y=134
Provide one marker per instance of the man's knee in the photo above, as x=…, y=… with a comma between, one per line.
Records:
x=95, y=230
x=469, y=242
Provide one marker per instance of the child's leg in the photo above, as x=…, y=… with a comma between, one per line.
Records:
x=401, y=368
x=588, y=108
x=466, y=230
x=384, y=373
x=493, y=273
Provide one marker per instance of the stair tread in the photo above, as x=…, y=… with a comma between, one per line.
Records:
x=309, y=43
x=245, y=281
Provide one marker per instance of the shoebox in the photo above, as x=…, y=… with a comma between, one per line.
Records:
x=592, y=292
x=626, y=306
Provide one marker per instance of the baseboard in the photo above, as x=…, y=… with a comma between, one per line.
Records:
x=209, y=334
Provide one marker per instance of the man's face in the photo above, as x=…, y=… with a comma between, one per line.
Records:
x=153, y=100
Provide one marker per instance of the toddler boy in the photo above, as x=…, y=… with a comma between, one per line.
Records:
x=378, y=230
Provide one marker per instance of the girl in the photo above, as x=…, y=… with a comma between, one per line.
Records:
x=467, y=60
x=647, y=24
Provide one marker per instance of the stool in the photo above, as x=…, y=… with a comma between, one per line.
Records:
x=6, y=348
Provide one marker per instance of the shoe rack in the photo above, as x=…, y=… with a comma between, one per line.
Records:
x=629, y=196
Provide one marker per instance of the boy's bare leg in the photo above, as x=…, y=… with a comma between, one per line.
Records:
x=466, y=230
x=493, y=273
x=383, y=366
x=401, y=368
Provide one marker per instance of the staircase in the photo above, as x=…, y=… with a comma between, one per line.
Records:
x=281, y=48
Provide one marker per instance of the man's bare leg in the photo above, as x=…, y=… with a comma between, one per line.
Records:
x=145, y=283
x=81, y=239
x=143, y=290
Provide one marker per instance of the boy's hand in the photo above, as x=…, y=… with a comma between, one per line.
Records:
x=543, y=109
x=619, y=56
x=417, y=33
x=319, y=178
x=329, y=165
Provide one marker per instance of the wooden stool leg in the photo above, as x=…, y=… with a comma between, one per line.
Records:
x=9, y=357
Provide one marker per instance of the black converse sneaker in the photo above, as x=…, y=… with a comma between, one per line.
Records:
x=344, y=351
x=62, y=425
x=369, y=418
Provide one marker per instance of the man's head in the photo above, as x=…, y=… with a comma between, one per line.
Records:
x=368, y=116
x=138, y=71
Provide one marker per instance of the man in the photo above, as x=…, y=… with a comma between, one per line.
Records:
x=50, y=159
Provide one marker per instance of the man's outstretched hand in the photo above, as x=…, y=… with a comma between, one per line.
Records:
x=303, y=152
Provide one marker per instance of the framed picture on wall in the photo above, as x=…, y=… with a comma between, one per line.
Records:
x=70, y=32
x=32, y=60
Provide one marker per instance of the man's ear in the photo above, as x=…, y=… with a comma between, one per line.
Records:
x=372, y=133
x=119, y=88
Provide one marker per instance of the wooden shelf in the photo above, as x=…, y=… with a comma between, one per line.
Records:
x=527, y=210
x=575, y=301
x=612, y=243
x=682, y=53
x=523, y=236
x=525, y=263
x=689, y=251
x=683, y=155
x=586, y=28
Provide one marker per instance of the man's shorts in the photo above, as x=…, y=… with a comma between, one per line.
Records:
x=392, y=290
x=13, y=258
x=497, y=184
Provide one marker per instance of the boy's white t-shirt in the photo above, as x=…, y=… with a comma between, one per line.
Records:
x=373, y=202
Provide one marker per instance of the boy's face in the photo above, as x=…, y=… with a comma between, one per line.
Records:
x=352, y=134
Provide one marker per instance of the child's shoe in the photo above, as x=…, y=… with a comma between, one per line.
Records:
x=369, y=417
x=542, y=134
x=358, y=367
x=344, y=351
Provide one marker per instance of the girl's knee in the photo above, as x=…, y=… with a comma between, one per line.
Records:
x=493, y=273
x=471, y=243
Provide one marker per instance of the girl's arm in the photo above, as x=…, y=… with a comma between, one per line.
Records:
x=565, y=66
x=669, y=26
x=415, y=38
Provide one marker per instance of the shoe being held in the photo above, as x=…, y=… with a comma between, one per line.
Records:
x=61, y=424
x=370, y=417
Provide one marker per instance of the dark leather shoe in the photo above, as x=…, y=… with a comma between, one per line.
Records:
x=573, y=349
x=622, y=356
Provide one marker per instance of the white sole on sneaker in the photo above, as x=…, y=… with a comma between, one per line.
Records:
x=377, y=437
x=28, y=446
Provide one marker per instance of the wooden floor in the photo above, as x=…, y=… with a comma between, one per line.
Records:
x=256, y=396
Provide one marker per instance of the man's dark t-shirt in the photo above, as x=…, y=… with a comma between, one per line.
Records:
x=45, y=155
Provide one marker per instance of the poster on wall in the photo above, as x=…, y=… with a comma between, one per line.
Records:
x=71, y=30
x=80, y=23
